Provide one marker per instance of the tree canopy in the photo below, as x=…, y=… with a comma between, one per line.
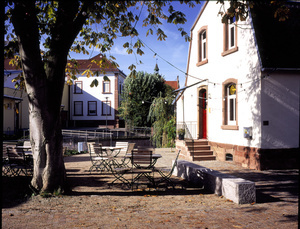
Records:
x=137, y=96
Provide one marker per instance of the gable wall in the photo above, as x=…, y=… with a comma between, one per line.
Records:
x=93, y=94
x=242, y=65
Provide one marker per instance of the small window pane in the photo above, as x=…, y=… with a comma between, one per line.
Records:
x=106, y=86
x=204, y=50
x=231, y=109
x=204, y=35
x=232, y=36
x=78, y=108
x=106, y=108
x=92, y=108
x=78, y=87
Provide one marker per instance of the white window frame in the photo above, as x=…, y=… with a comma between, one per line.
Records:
x=106, y=87
x=231, y=106
x=231, y=35
x=78, y=85
x=203, y=45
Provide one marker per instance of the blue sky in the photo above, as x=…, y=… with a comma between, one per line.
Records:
x=174, y=49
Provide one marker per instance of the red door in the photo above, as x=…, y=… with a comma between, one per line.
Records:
x=203, y=113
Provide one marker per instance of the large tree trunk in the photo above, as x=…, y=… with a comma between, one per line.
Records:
x=44, y=84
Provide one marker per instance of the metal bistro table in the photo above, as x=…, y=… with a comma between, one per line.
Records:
x=113, y=152
x=143, y=162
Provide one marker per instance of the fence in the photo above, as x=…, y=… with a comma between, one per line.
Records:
x=72, y=138
x=190, y=129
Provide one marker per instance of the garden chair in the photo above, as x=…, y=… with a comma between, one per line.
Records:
x=166, y=173
x=5, y=164
x=142, y=165
x=18, y=163
x=100, y=161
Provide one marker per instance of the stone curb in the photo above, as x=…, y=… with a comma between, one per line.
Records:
x=238, y=190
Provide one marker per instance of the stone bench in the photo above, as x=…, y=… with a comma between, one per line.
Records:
x=238, y=190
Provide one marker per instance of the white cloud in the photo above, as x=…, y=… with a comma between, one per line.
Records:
x=117, y=50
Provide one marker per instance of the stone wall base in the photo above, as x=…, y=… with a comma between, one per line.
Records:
x=256, y=158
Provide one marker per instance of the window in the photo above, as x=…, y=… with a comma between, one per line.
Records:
x=92, y=108
x=202, y=46
x=231, y=104
x=106, y=108
x=230, y=121
x=106, y=86
x=230, y=37
x=78, y=87
x=78, y=108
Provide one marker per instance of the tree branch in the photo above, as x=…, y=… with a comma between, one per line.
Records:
x=26, y=29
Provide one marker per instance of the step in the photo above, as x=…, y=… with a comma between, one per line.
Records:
x=203, y=153
x=200, y=147
x=204, y=158
x=196, y=142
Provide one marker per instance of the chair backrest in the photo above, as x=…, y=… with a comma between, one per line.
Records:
x=91, y=147
x=123, y=145
x=130, y=148
x=27, y=143
x=14, y=156
x=4, y=153
x=175, y=162
x=142, y=157
x=97, y=148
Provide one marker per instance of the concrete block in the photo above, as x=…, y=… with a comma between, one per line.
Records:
x=238, y=190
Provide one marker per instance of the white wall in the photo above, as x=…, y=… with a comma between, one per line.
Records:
x=280, y=107
x=242, y=65
x=93, y=94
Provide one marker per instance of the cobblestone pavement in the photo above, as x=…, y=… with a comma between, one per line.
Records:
x=92, y=204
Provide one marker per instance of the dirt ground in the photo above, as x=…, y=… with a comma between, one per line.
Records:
x=93, y=204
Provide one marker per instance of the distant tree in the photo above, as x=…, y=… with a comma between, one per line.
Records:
x=137, y=96
x=161, y=114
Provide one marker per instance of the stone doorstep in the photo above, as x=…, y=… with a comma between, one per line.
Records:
x=238, y=190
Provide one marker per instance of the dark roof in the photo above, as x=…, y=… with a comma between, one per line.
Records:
x=278, y=41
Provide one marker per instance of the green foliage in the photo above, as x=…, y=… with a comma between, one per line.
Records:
x=72, y=152
x=161, y=113
x=181, y=131
x=72, y=26
x=240, y=9
x=137, y=96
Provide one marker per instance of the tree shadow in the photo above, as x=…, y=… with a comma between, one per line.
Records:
x=15, y=190
x=272, y=185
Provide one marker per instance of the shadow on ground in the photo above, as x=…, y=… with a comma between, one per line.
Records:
x=272, y=185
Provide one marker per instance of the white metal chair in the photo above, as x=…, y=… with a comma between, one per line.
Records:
x=100, y=162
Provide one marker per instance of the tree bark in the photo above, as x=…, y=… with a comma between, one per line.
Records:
x=44, y=82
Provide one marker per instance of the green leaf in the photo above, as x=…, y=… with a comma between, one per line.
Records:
x=105, y=78
x=94, y=83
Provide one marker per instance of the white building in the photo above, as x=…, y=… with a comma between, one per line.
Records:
x=98, y=105
x=247, y=107
x=15, y=103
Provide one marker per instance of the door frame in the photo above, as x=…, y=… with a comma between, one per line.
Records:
x=200, y=113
